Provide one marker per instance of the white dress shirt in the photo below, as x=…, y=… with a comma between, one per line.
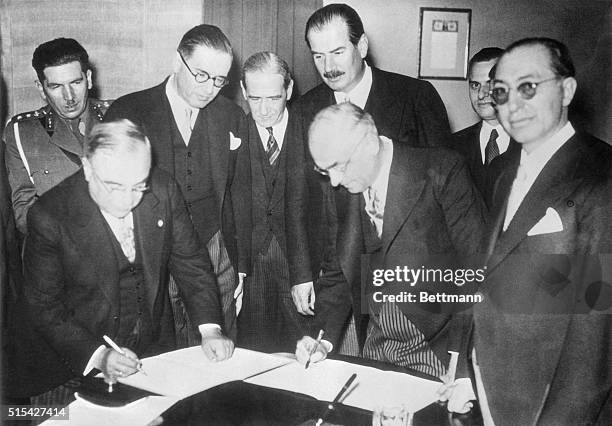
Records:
x=530, y=167
x=184, y=114
x=278, y=130
x=381, y=184
x=503, y=139
x=359, y=95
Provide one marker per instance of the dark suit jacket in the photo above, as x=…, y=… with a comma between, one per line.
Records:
x=72, y=278
x=432, y=214
x=544, y=355
x=151, y=110
x=467, y=142
x=404, y=109
x=274, y=207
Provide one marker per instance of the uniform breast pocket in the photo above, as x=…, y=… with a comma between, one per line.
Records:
x=47, y=171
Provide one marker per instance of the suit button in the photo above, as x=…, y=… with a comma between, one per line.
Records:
x=269, y=213
x=115, y=317
x=46, y=172
x=139, y=299
x=189, y=154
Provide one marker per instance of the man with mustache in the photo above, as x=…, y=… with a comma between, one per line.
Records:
x=43, y=147
x=196, y=136
x=404, y=109
x=485, y=145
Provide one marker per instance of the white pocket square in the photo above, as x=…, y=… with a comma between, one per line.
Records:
x=551, y=222
x=234, y=142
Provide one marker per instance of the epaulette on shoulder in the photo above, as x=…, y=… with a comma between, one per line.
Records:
x=30, y=115
x=100, y=107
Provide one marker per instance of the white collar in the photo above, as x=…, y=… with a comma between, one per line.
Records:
x=359, y=95
x=533, y=163
x=278, y=130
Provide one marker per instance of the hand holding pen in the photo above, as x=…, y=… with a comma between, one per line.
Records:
x=309, y=350
x=118, y=362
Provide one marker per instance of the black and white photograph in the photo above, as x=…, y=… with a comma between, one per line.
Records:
x=303, y=212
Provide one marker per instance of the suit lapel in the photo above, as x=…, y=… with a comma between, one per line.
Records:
x=554, y=182
x=218, y=146
x=149, y=223
x=95, y=241
x=350, y=238
x=403, y=191
x=159, y=124
x=381, y=99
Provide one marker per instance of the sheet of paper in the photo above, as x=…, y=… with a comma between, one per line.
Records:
x=140, y=412
x=372, y=388
x=186, y=372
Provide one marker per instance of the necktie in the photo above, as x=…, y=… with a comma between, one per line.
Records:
x=374, y=210
x=272, y=148
x=492, y=149
x=126, y=239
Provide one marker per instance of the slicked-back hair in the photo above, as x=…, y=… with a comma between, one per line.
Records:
x=59, y=51
x=333, y=11
x=204, y=35
x=560, y=60
x=267, y=62
x=485, y=55
x=113, y=136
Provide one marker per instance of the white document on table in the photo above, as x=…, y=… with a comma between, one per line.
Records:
x=373, y=388
x=141, y=412
x=185, y=372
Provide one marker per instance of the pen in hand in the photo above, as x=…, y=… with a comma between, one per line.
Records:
x=116, y=347
x=314, y=348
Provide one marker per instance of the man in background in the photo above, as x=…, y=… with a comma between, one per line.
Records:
x=485, y=145
x=268, y=320
x=44, y=146
x=405, y=109
x=197, y=136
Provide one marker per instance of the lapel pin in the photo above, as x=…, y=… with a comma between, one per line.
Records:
x=160, y=223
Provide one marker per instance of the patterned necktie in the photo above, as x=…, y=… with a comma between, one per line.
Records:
x=374, y=210
x=126, y=239
x=492, y=149
x=272, y=148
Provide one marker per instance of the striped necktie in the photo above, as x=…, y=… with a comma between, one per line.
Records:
x=272, y=148
x=492, y=149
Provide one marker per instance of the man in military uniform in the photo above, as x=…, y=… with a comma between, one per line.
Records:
x=43, y=147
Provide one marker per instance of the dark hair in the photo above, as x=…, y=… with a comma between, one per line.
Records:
x=204, y=35
x=485, y=55
x=267, y=62
x=560, y=60
x=58, y=52
x=114, y=135
x=341, y=11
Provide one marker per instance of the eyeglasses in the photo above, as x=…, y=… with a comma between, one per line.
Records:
x=341, y=169
x=114, y=188
x=202, y=77
x=526, y=90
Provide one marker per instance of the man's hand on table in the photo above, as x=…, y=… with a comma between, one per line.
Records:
x=216, y=345
x=305, y=347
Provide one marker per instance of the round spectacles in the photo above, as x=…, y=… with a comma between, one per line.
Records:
x=526, y=90
x=114, y=188
x=202, y=76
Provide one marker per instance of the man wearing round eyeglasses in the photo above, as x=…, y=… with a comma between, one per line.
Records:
x=196, y=135
x=97, y=254
x=539, y=344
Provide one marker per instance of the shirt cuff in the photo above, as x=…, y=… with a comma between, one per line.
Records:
x=327, y=345
x=208, y=327
x=94, y=361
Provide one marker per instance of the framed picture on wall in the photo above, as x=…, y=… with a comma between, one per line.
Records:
x=443, y=43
